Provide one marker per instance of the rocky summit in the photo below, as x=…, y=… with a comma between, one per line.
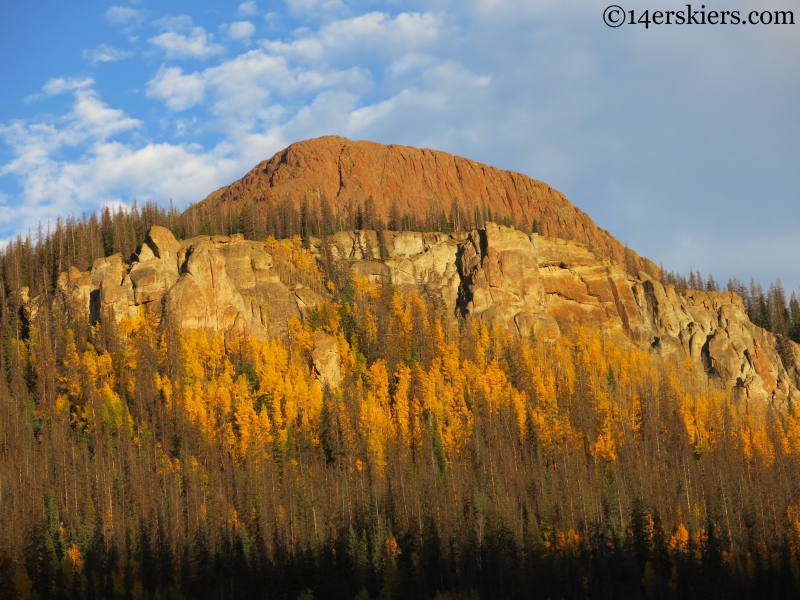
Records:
x=413, y=183
x=527, y=283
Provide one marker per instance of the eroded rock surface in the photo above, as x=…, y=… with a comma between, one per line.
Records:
x=500, y=275
x=325, y=357
x=528, y=284
x=548, y=286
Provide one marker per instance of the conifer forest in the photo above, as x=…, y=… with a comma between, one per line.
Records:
x=455, y=461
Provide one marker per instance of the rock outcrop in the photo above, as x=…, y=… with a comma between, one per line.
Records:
x=216, y=283
x=325, y=357
x=413, y=182
x=526, y=283
x=548, y=286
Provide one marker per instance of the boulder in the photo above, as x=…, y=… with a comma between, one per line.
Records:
x=307, y=299
x=162, y=243
x=151, y=276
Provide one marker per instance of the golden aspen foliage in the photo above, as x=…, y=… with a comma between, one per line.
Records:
x=70, y=379
x=551, y=373
x=679, y=542
x=375, y=418
x=443, y=399
x=301, y=339
x=402, y=403
x=793, y=433
x=75, y=559
x=114, y=413
x=165, y=387
x=245, y=418
x=482, y=343
x=401, y=323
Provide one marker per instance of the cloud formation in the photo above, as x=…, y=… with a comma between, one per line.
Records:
x=52, y=184
x=365, y=38
x=105, y=53
x=61, y=85
x=178, y=91
x=240, y=30
x=182, y=40
x=247, y=9
x=123, y=15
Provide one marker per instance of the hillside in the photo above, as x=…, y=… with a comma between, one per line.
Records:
x=412, y=185
x=257, y=399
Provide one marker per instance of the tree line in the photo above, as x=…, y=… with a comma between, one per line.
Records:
x=36, y=259
x=772, y=310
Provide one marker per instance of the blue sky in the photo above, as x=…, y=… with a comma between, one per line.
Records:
x=684, y=142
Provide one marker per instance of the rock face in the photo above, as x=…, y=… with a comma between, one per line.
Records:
x=547, y=286
x=325, y=357
x=157, y=269
x=415, y=182
x=526, y=283
x=76, y=289
x=501, y=281
x=214, y=283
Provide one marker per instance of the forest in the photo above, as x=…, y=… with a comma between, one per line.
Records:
x=454, y=461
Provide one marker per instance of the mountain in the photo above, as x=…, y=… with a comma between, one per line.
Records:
x=321, y=401
x=568, y=273
x=419, y=185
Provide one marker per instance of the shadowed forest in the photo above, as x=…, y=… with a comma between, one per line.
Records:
x=454, y=461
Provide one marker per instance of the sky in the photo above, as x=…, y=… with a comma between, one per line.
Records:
x=682, y=141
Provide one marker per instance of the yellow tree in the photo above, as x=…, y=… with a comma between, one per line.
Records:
x=375, y=417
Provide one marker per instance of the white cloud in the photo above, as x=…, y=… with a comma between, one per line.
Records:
x=184, y=126
x=89, y=119
x=197, y=44
x=178, y=91
x=247, y=86
x=174, y=23
x=105, y=53
x=123, y=15
x=410, y=62
x=247, y=9
x=240, y=30
x=53, y=187
x=372, y=36
x=61, y=86
x=408, y=29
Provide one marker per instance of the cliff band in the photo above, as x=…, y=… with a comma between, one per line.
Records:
x=530, y=284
